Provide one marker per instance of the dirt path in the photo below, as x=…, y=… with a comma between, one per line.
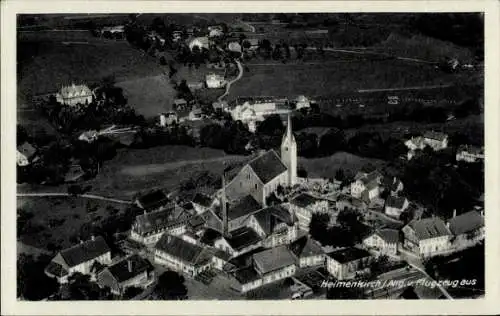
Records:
x=228, y=85
x=144, y=170
x=60, y=194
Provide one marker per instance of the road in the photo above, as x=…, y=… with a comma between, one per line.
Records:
x=406, y=88
x=228, y=85
x=87, y=196
x=394, y=282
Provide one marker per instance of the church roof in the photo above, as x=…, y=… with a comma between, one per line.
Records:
x=243, y=207
x=267, y=166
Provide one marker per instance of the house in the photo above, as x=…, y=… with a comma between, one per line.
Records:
x=152, y=201
x=467, y=228
x=234, y=47
x=302, y=102
x=25, y=154
x=202, y=203
x=366, y=186
x=385, y=241
x=274, y=264
x=275, y=225
x=180, y=104
x=215, y=33
x=132, y=271
x=215, y=81
x=469, y=153
x=414, y=144
x=148, y=228
x=253, y=44
x=395, y=205
x=79, y=258
x=74, y=94
x=239, y=241
x=168, y=118
x=346, y=263
x=74, y=174
x=307, y=252
x=436, y=140
x=427, y=237
x=182, y=256
x=200, y=42
x=195, y=115
x=195, y=85
x=304, y=206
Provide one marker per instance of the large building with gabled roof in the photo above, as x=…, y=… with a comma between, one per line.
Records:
x=427, y=237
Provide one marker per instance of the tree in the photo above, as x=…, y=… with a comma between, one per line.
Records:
x=272, y=125
x=334, y=140
x=318, y=228
x=32, y=282
x=170, y=286
x=131, y=292
x=339, y=175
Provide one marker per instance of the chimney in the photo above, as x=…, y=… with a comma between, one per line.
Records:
x=129, y=265
x=224, y=206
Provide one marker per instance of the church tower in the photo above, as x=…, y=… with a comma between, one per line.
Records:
x=289, y=153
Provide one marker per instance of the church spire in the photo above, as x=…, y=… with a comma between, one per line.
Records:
x=289, y=126
x=289, y=152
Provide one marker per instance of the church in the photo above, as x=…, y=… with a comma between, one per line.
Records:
x=261, y=176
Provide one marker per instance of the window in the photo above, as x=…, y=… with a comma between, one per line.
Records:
x=255, y=186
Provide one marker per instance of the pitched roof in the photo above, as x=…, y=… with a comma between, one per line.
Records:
x=304, y=200
x=153, y=199
x=466, y=222
x=26, y=149
x=55, y=269
x=267, y=166
x=246, y=275
x=85, y=251
x=390, y=236
x=395, y=201
x=269, y=216
x=435, y=135
x=181, y=249
x=202, y=199
x=273, y=259
x=242, y=237
x=138, y=265
x=210, y=236
x=153, y=221
x=348, y=254
x=304, y=247
x=431, y=227
x=242, y=207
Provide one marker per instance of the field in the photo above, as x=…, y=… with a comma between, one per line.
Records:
x=132, y=171
x=71, y=212
x=327, y=166
x=324, y=79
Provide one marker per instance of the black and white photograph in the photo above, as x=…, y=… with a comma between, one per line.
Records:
x=250, y=156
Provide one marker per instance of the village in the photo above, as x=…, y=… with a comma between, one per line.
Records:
x=262, y=224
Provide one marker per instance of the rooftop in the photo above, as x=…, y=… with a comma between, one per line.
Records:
x=242, y=237
x=120, y=270
x=390, y=236
x=246, y=275
x=466, y=222
x=348, y=254
x=435, y=135
x=267, y=166
x=153, y=221
x=202, y=199
x=270, y=216
x=273, y=259
x=183, y=250
x=242, y=207
x=26, y=149
x=431, y=227
x=153, y=200
x=304, y=247
x=85, y=251
x=395, y=201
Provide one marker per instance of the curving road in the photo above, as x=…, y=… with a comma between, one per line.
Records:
x=228, y=85
x=60, y=194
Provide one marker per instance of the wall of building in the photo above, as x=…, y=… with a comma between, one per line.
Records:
x=245, y=182
x=312, y=261
x=346, y=270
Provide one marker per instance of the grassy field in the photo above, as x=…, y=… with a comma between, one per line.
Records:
x=165, y=167
x=72, y=212
x=327, y=166
x=332, y=78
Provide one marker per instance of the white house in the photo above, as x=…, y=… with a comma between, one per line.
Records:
x=182, y=256
x=302, y=102
x=304, y=206
x=307, y=252
x=239, y=241
x=469, y=153
x=436, y=140
x=366, y=186
x=168, y=118
x=346, y=263
x=25, y=154
x=385, y=241
x=74, y=94
x=215, y=81
x=427, y=237
x=395, y=205
x=201, y=42
x=79, y=258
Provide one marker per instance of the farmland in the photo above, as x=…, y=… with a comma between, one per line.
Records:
x=327, y=166
x=165, y=167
